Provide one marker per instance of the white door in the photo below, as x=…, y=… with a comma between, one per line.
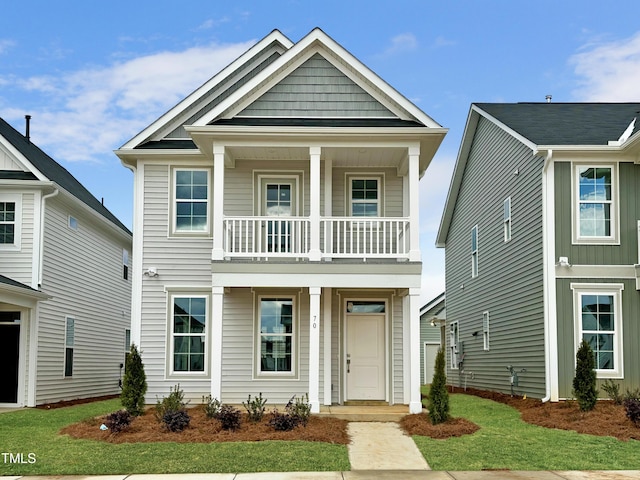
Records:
x=279, y=201
x=430, y=353
x=365, y=357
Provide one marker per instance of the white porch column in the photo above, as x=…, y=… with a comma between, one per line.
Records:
x=217, y=311
x=218, y=201
x=327, y=344
x=415, y=402
x=414, y=204
x=314, y=203
x=314, y=349
x=328, y=208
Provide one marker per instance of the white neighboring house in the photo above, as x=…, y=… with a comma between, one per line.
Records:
x=65, y=286
x=276, y=235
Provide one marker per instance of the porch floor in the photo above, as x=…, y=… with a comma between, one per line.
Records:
x=366, y=413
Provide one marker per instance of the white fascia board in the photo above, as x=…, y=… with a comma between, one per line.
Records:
x=292, y=280
x=21, y=296
x=318, y=37
x=129, y=158
x=20, y=158
x=432, y=303
x=274, y=36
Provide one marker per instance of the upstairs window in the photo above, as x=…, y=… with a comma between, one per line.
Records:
x=365, y=197
x=595, y=206
x=474, y=252
x=507, y=219
x=191, y=201
x=485, y=330
x=7, y=223
x=125, y=264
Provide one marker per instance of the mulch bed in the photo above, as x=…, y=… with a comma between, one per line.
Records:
x=420, y=424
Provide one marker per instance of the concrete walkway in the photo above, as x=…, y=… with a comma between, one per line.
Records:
x=382, y=446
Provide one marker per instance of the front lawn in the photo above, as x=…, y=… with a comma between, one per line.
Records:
x=504, y=441
x=35, y=431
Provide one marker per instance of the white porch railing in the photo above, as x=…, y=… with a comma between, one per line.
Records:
x=366, y=237
x=266, y=236
x=344, y=237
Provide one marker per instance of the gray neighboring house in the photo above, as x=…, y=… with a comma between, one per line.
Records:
x=65, y=284
x=433, y=316
x=540, y=229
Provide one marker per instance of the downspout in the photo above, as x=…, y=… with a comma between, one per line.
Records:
x=41, y=247
x=548, y=278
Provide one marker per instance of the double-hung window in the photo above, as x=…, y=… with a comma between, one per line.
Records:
x=276, y=335
x=10, y=216
x=191, y=201
x=69, y=341
x=189, y=334
x=598, y=320
x=474, y=252
x=485, y=330
x=506, y=216
x=365, y=200
x=595, y=204
x=453, y=344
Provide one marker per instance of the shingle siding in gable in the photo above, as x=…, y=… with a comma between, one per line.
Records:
x=509, y=284
x=316, y=89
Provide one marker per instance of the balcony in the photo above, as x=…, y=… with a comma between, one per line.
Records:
x=340, y=237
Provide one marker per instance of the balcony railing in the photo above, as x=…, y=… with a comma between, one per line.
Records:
x=340, y=237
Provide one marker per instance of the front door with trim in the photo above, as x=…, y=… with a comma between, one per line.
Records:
x=9, y=356
x=365, y=356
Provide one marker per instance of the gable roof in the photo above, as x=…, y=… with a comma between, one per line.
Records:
x=237, y=95
x=48, y=168
x=13, y=286
x=544, y=126
x=435, y=308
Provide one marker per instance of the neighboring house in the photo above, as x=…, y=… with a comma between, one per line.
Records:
x=540, y=229
x=65, y=291
x=276, y=244
x=432, y=322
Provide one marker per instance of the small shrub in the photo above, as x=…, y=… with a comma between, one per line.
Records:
x=229, y=417
x=255, y=408
x=118, y=421
x=176, y=420
x=584, y=383
x=299, y=408
x=632, y=409
x=211, y=406
x=613, y=391
x=632, y=394
x=173, y=403
x=438, y=404
x=283, y=422
x=134, y=383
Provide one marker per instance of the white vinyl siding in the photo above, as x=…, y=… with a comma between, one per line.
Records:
x=598, y=320
x=595, y=204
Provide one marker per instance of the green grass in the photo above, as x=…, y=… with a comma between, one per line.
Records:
x=36, y=431
x=504, y=441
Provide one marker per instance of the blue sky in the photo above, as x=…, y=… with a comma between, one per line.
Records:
x=93, y=73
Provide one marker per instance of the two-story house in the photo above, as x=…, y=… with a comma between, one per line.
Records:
x=276, y=237
x=540, y=231
x=65, y=286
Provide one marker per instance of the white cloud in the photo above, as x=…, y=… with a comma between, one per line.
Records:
x=5, y=45
x=87, y=113
x=609, y=71
x=404, y=42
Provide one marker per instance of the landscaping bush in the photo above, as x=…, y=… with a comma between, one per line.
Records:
x=632, y=409
x=211, y=406
x=134, y=383
x=255, y=408
x=299, y=408
x=438, y=404
x=173, y=403
x=283, y=422
x=612, y=389
x=118, y=421
x=229, y=417
x=176, y=420
x=584, y=383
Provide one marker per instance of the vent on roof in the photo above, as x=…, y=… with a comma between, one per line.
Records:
x=548, y=98
x=27, y=133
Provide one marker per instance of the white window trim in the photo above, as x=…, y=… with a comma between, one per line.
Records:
x=614, y=238
x=614, y=289
x=507, y=219
x=170, y=335
x=454, y=348
x=475, y=263
x=206, y=232
x=68, y=345
x=349, y=177
x=293, y=374
x=126, y=269
x=72, y=223
x=485, y=331
x=17, y=230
